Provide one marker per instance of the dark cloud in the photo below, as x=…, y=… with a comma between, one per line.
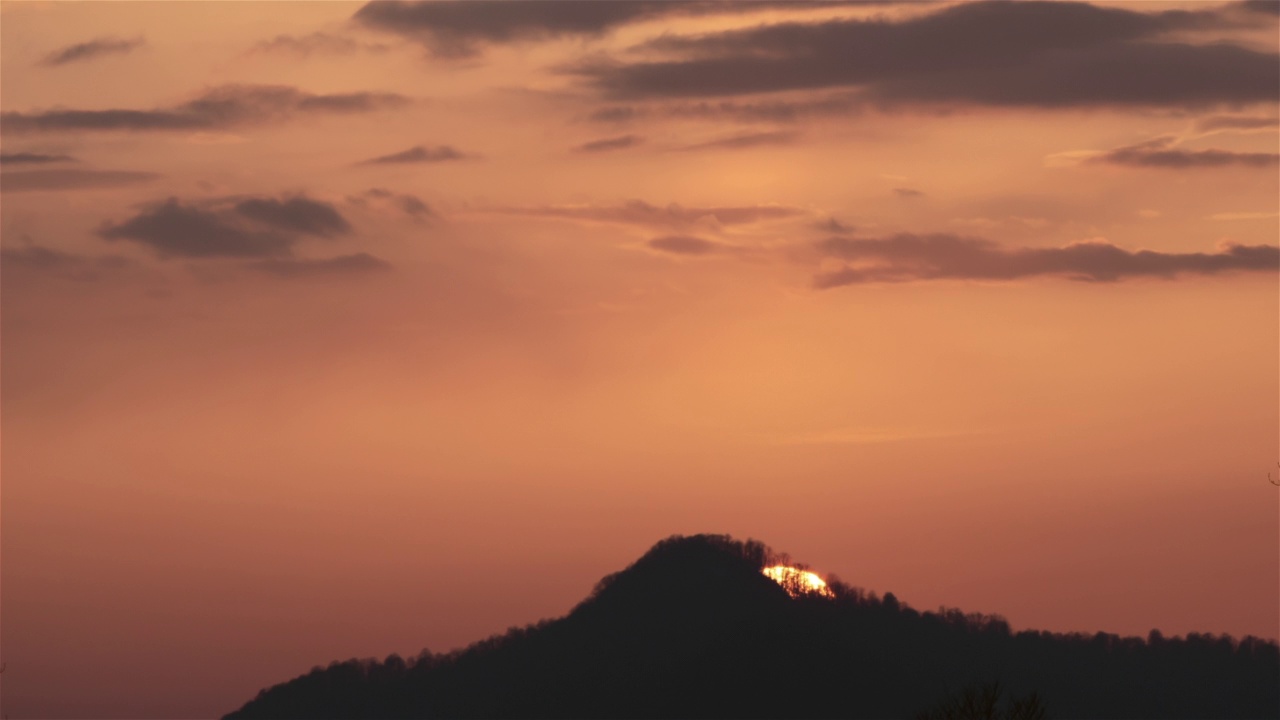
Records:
x=91, y=49
x=1238, y=122
x=220, y=108
x=27, y=158
x=685, y=245
x=357, y=264
x=461, y=28
x=908, y=193
x=1269, y=7
x=172, y=229
x=296, y=214
x=1158, y=154
x=56, y=262
x=419, y=154
x=746, y=141
x=1040, y=54
x=70, y=179
x=907, y=257
x=314, y=43
x=637, y=212
x=607, y=144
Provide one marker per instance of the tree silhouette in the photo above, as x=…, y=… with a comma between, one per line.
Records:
x=982, y=702
x=694, y=629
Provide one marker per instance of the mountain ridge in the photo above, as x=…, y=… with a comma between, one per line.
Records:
x=693, y=628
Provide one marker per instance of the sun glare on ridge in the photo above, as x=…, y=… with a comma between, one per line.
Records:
x=798, y=582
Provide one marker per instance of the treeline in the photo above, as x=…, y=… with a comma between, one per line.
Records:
x=693, y=629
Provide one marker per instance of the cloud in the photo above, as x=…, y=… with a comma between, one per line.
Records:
x=607, y=144
x=685, y=245
x=91, y=49
x=1269, y=7
x=746, y=141
x=295, y=214
x=1036, y=54
x=907, y=257
x=461, y=28
x=419, y=154
x=1158, y=153
x=290, y=268
x=638, y=212
x=908, y=193
x=220, y=108
x=314, y=43
x=242, y=228
x=56, y=262
x=172, y=229
x=1238, y=122
x=27, y=158
x=70, y=179
x=408, y=204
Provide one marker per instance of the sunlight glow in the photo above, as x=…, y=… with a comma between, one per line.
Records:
x=798, y=582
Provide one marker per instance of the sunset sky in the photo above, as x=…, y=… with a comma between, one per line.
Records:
x=335, y=330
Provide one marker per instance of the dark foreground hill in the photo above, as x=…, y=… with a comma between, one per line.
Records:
x=694, y=630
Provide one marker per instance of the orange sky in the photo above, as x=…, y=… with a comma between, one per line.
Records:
x=979, y=324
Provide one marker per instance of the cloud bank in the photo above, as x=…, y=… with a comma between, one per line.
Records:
x=1027, y=54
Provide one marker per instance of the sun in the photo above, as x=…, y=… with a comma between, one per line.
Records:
x=798, y=582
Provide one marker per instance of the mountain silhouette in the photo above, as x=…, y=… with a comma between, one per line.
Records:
x=695, y=629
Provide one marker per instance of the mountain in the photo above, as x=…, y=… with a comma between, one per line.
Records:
x=695, y=629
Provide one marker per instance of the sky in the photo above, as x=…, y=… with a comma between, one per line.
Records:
x=336, y=330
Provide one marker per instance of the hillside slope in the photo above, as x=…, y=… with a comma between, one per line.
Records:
x=694, y=629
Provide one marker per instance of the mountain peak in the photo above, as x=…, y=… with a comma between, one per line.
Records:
x=696, y=628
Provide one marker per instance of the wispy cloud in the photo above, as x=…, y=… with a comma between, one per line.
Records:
x=221, y=108
x=49, y=260
x=746, y=141
x=1161, y=153
x=640, y=213
x=462, y=28
x=70, y=179
x=91, y=49
x=907, y=257
x=294, y=268
x=686, y=245
x=316, y=43
x=609, y=144
x=419, y=154
x=28, y=158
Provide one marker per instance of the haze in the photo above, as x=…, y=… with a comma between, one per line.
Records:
x=335, y=330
